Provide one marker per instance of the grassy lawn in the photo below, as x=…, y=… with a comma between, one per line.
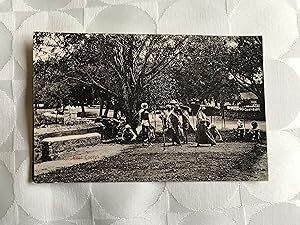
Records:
x=226, y=161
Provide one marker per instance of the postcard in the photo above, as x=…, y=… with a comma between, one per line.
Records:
x=148, y=107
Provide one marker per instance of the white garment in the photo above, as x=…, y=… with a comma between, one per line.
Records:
x=145, y=123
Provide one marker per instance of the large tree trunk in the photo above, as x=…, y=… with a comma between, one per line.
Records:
x=128, y=107
x=101, y=107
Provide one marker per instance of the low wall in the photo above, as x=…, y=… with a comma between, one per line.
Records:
x=62, y=131
x=53, y=147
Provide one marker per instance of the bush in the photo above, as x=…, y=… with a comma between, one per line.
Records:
x=40, y=119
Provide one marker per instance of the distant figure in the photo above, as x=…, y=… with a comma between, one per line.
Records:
x=145, y=122
x=165, y=117
x=166, y=122
x=215, y=133
x=186, y=123
x=240, y=131
x=254, y=132
x=203, y=134
x=128, y=135
x=175, y=130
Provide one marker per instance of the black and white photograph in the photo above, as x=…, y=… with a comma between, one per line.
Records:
x=148, y=108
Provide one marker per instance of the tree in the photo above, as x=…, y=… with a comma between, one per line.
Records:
x=82, y=95
x=124, y=70
x=204, y=76
x=120, y=66
x=47, y=88
x=245, y=65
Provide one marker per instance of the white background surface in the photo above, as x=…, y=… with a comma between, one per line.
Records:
x=276, y=202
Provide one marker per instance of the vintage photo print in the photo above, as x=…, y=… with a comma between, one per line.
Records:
x=145, y=107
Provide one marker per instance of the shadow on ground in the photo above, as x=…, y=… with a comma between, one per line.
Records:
x=226, y=161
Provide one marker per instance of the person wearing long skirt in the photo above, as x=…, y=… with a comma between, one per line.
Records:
x=203, y=134
x=186, y=123
x=176, y=126
x=166, y=122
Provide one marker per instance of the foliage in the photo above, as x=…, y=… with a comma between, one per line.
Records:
x=128, y=69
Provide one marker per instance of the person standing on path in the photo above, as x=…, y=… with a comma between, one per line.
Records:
x=203, y=134
x=145, y=122
x=186, y=123
x=166, y=122
x=176, y=123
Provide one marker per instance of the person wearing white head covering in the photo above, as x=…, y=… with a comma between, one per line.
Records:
x=128, y=134
x=173, y=102
x=145, y=122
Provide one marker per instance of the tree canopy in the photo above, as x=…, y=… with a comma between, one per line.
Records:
x=131, y=68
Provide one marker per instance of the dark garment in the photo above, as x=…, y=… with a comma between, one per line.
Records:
x=254, y=135
x=203, y=135
x=174, y=131
x=127, y=136
x=214, y=133
x=145, y=115
x=145, y=132
x=240, y=134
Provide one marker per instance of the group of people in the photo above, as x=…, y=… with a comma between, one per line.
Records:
x=253, y=134
x=144, y=129
x=176, y=125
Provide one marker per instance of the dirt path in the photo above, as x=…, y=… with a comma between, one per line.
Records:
x=111, y=163
x=82, y=155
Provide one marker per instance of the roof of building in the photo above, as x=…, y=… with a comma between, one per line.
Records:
x=248, y=96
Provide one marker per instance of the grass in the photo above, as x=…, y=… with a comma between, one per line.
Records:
x=236, y=161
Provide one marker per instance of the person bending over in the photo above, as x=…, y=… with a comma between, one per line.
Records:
x=215, y=133
x=128, y=135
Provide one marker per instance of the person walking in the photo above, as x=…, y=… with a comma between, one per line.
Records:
x=203, y=134
x=145, y=122
x=166, y=123
x=176, y=124
x=186, y=123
